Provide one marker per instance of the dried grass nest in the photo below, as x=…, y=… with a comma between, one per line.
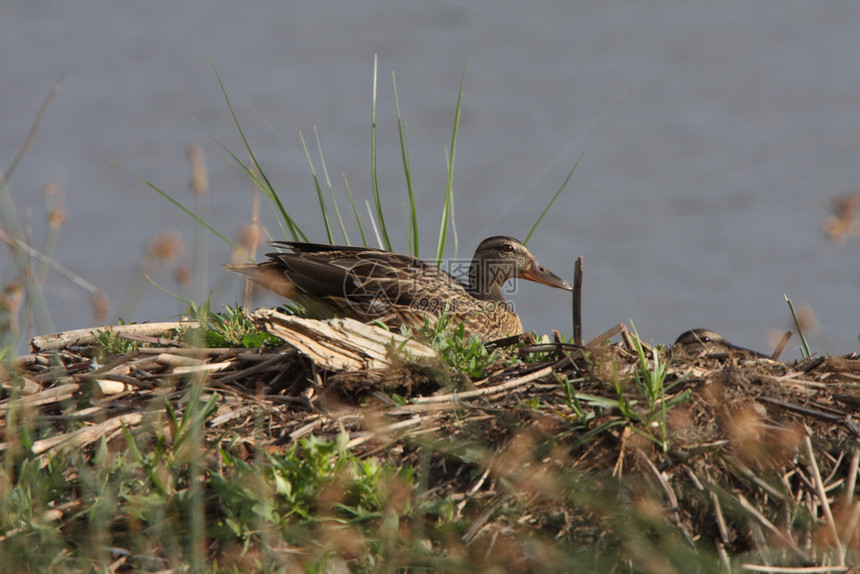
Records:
x=762, y=456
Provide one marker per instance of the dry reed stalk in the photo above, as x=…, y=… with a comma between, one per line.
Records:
x=577, y=301
x=761, y=520
x=510, y=384
x=824, y=501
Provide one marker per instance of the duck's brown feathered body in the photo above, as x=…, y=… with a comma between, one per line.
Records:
x=373, y=285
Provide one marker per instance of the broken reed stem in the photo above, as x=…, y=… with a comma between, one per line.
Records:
x=577, y=301
x=779, y=348
x=605, y=336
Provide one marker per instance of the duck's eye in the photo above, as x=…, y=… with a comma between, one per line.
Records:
x=508, y=247
x=706, y=339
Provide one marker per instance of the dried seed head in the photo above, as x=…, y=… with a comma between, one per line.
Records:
x=165, y=247
x=199, y=178
x=183, y=275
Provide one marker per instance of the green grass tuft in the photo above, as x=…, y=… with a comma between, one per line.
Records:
x=230, y=328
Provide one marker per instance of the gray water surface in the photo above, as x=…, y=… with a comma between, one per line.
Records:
x=699, y=200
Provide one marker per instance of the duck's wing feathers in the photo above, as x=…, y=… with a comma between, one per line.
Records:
x=304, y=247
x=365, y=282
x=313, y=277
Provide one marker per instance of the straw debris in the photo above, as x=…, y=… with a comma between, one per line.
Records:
x=557, y=442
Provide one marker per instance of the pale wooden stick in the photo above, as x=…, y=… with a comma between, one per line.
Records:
x=792, y=570
x=86, y=435
x=48, y=396
x=511, y=384
x=721, y=520
x=852, y=476
x=206, y=368
x=57, y=341
x=374, y=433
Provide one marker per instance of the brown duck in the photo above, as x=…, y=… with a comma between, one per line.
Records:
x=372, y=285
x=697, y=342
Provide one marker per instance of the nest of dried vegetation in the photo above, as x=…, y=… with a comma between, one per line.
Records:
x=760, y=457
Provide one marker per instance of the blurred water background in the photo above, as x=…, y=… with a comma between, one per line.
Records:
x=699, y=200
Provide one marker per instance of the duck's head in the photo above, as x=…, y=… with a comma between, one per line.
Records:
x=500, y=258
x=697, y=342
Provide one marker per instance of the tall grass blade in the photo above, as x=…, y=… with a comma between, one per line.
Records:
x=412, y=216
x=323, y=210
x=554, y=197
x=449, y=186
x=200, y=188
x=453, y=217
x=267, y=185
x=334, y=196
x=177, y=204
x=373, y=224
x=52, y=206
x=652, y=381
x=558, y=158
x=31, y=135
x=185, y=302
x=201, y=248
x=355, y=211
x=807, y=352
x=46, y=261
x=253, y=174
x=15, y=233
x=406, y=217
x=12, y=224
x=376, y=198
x=31, y=287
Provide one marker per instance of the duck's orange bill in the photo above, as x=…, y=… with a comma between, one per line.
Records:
x=540, y=274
